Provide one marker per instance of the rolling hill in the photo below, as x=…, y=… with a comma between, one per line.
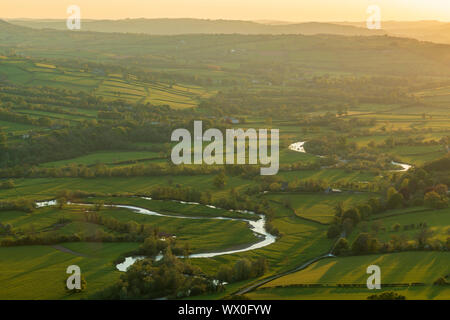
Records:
x=199, y=26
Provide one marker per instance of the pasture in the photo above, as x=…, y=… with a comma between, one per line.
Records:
x=396, y=268
x=110, y=86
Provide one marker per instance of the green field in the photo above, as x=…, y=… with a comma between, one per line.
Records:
x=39, y=272
x=408, y=267
x=25, y=72
x=88, y=117
x=106, y=157
x=437, y=220
x=319, y=207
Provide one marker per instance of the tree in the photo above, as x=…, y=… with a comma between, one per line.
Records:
x=8, y=184
x=390, y=295
x=361, y=243
x=98, y=205
x=339, y=208
x=341, y=247
x=3, y=139
x=61, y=202
x=220, y=180
x=375, y=204
x=376, y=226
x=275, y=187
x=83, y=285
x=395, y=200
x=433, y=200
x=352, y=214
x=441, y=189
x=423, y=236
x=441, y=282
x=365, y=211
x=186, y=250
x=242, y=269
x=347, y=225
x=333, y=231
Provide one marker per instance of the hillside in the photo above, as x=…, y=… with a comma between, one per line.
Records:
x=434, y=31
x=199, y=26
x=302, y=53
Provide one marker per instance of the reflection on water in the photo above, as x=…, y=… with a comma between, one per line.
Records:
x=298, y=147
x=405, y=167
x=258, y=227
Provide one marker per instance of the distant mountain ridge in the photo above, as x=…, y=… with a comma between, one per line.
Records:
x=425, y=30
x=434, y=31
x=200, y=26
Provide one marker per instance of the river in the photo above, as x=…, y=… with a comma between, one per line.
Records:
x=300, y=147
x=258, y=227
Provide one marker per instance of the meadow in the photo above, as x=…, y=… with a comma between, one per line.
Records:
x=396, y=269
x=21, y=71
x=39, y=272
x=81, y=101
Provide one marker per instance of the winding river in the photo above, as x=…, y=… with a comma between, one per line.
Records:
x=405, y=167
x=258, y=227
x=300, y=147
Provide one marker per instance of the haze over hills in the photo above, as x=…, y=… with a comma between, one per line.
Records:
x=304, y=53
x=434, y=31
x=430, y=30
x=201, y=26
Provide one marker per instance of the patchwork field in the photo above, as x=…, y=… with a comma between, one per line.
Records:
x=110, y=86
x=87, y=118
x=39, y=272
x=396, y=268
x=319, y=207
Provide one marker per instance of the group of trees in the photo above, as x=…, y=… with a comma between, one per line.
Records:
x=8, y=184
x=417, y=187
x=233, y=200
x=369, y=243
x=243, y=269
x=72, y=142
x=20, y=204
x=114, y=230
x=170, y=277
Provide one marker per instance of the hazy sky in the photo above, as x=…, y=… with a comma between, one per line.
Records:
x=289, y=10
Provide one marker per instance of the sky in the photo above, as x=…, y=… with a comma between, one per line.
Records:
x=284, y=10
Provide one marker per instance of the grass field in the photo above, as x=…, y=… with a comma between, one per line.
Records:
x=362, y=102
x=293, y=293
x=437, y=220
x=319, y=207
x=16, y=128
x=39, y=272
x=26, y=72
x=106, y=157
x=407, y=267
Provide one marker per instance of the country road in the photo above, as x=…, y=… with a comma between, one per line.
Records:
x=279, y=275
x=271, y=278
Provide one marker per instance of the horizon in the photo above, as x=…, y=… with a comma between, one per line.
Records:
x=224, y=19
x=251, y=10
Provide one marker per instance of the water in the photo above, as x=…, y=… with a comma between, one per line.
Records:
x=45, y=203
x=258, y=227
x=405, y=167
x=298, y=147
